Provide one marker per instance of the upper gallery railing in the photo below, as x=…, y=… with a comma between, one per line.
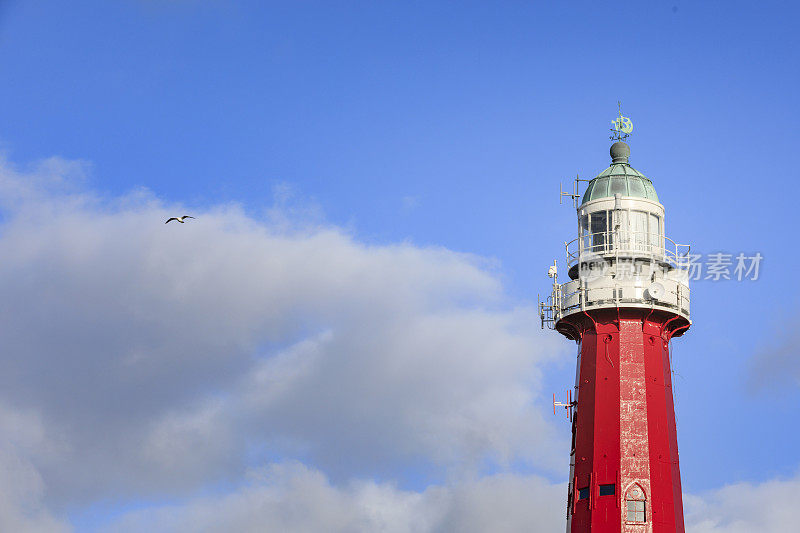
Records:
x=625, y=243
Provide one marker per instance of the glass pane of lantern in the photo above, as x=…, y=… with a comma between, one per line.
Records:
x=655, y=232
x=598, y=224
x=639, y=227
x=621, y=225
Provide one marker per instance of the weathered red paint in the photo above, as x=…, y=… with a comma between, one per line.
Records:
x=624, y=427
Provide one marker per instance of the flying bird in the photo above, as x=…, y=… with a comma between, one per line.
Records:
x=179, y=219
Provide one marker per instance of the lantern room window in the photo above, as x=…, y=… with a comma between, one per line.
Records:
x=639, y=229
x=599, y=226
x=656, y=234
x=625, y=229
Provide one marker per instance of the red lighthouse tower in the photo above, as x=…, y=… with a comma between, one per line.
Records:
x=627, y=296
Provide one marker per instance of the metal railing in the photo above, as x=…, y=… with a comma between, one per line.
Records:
x=625, y=243
x=578, y=297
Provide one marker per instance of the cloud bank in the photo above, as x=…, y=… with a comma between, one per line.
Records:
x=157, y=360
x=271, y=373
x=744, y=508
x=293, y=498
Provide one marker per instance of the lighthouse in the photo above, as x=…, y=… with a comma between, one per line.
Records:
x=626, y=297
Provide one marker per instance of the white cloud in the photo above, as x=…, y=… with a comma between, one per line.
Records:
x=144, y=360
x=767, y=507
x=160, y=359
x=291, y=498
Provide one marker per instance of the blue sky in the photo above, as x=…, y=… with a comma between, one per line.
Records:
x=440, y=126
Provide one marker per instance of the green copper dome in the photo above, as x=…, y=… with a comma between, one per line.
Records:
x=620, y=178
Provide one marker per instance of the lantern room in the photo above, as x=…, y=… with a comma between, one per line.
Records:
x=621, y=256
x=620, y=211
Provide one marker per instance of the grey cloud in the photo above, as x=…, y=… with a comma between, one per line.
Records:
x=292, y=498
x=141, y=361
x=160, y=359
x=22, y=491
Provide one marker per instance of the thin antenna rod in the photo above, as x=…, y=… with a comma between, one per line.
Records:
x=575, y=194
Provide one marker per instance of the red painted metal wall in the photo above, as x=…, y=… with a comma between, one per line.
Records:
x=624, y=427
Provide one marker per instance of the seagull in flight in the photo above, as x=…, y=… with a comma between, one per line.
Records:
x=179, y=219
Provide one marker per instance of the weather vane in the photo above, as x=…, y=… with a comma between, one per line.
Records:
x=621, y=126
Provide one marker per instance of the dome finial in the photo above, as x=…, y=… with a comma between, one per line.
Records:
x=620, y=152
